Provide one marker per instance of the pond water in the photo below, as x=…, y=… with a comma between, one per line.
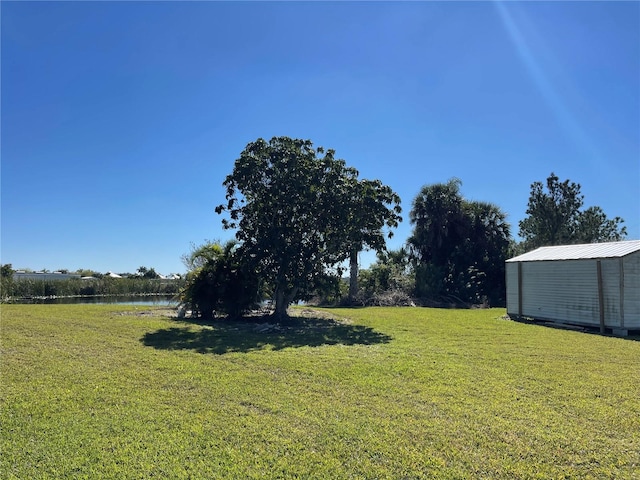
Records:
x=142, y=300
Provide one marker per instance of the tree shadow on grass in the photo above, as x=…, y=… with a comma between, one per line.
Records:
x=260, y=333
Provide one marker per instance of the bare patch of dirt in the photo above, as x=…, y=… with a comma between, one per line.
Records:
x=152, y=312
x=318, y=314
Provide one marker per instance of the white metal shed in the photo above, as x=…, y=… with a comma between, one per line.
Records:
x=594, y=284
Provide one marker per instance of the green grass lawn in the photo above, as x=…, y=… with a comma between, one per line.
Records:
x=114, y=392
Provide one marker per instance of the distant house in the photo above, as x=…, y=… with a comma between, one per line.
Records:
x=595, y=285
x=112, y=275
x=171, y=276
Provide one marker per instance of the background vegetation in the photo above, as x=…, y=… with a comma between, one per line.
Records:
x=108, y=392
x=105, y=286
x=300, y=214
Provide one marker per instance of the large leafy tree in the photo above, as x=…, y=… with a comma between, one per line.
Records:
x=555, y=217
x=458, y=246
x=286, y=200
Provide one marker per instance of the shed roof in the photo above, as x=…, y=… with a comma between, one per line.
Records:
x=579, y=252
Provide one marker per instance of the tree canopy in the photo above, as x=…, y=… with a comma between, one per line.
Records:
x=368, y=207
x=145, y=272
x=555, y=217
x=299, y=211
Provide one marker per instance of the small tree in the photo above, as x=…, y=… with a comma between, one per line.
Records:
x=6, y=271
x=555, y=218
x=367, y=206
x=391, y=273
x=6, y=281
x=145, y=272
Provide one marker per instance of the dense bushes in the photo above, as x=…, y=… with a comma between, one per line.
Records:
x=395, y=280
x=219, y=281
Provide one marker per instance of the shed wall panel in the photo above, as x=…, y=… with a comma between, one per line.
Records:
x=611, y=292
x=561, y=290
x=511, y=272
x=631, y=301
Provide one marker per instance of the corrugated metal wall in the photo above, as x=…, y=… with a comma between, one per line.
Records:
x=511, y=272
x=611, y=293
x=632, y=291
x=561, y=290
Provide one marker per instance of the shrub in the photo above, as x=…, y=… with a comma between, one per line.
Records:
x=220, y=282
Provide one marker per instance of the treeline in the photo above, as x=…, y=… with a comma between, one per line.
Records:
x=300, y=214
x=456, y=253
x=11, y=290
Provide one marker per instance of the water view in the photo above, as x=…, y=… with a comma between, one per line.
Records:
x=142, y=300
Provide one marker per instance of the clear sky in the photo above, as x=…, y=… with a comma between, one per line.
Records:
x=120, y=120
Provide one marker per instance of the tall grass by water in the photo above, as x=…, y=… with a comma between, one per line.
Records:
x=12, y=290
x=119, y=392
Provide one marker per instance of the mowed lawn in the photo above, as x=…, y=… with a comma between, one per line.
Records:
x=389, y=393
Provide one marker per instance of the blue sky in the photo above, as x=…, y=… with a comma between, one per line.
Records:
x=120, y=120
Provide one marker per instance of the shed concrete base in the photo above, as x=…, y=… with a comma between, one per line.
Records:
x=620, y=332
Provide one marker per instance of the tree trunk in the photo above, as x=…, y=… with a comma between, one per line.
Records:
x=353, y=274
x=282, y=302
x=281, y=305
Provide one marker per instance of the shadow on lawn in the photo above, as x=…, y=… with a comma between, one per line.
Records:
x=258, y=333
